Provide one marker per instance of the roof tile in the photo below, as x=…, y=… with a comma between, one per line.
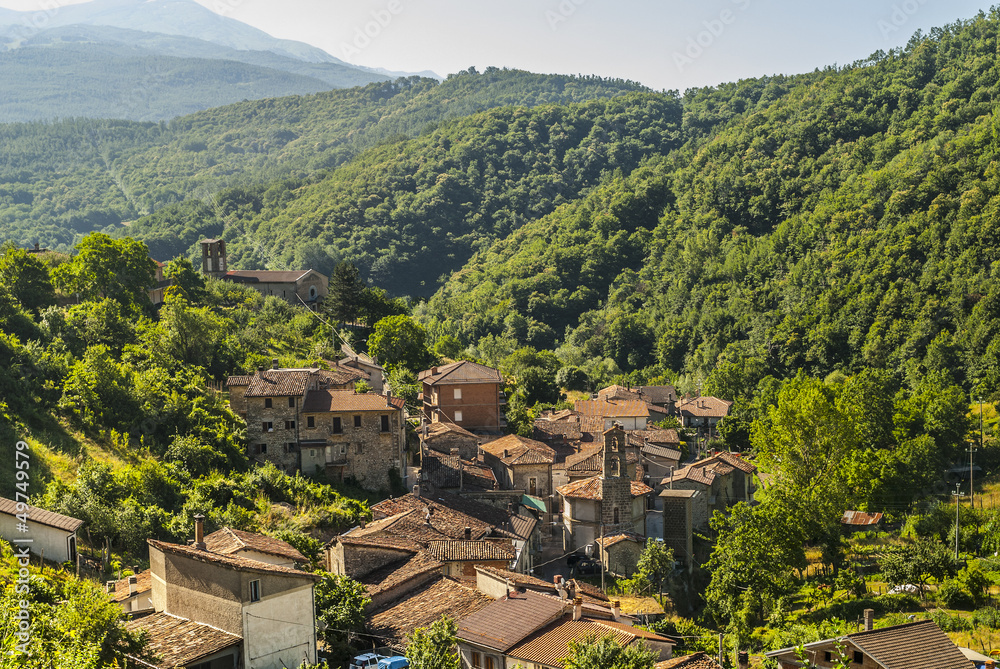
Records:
x=180, y=642
x=41, y=516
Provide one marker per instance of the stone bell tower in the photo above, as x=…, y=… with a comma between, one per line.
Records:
x=213, y=257
x=616, y=487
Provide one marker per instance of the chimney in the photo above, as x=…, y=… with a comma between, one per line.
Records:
x=133, y=582
x=506, y=453
x=869, y=620
x=616, y=609
x=388, y=398
x=577, y=608
x=36, y=246
x=560, y=586
x=260, y=372
x=199, y=532
x=110, y=587
x=434, y=370
x=274, y=363
x=468, y=534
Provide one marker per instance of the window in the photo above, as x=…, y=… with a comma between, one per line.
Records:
x=489, y=663
x=289, y=424
x=827, y=656
x=255, y=591
x=267, y=402
x=262, y=448
x=859, y=657
x=291, y=401
x=310, y=421
x=312, y=452
x=384, y=423
x=458, y=419
x=533, y=486
x=312, y=292
x=458, y=393
x=477, y=660
x=616, y=515
x=357, y=448
x=290, y=447
x=357, y=421
x=337, y=427
x=267, y=426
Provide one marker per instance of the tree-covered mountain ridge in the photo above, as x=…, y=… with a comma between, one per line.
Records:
x=59, y=181
x=834, y=222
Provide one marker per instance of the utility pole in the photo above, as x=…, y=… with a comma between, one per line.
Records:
x=958, y=507
x=600, y=555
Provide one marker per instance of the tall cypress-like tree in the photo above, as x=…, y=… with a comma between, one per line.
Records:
x=346, y=292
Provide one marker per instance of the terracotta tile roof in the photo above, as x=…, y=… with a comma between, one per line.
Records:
x=378, y=525
x=693, y=474
x=383, y=540
x=658, y=394
x=705, y=406
x=610, y=408
x=339, y=375
x=41, y=516
x=614, y=539
x=179, y=642
x=652, y=451
x=738, y=461
x=279, y=383
x=655, y=435
x=461, y=551
x=228, y=561
x=228, y=541
x=918, y=645
x=329, y=401
x=516, y=450
x=548, y=429
x=860, y=518
x=586, y=591
x=397, y=573
x=699, y=660
x=550, y=644
x=450, y=515
x=619, y=392
x=265, y=276
x=462, y=371
x=594, y=461
x=239, y=381
x=441, y=430
x=593, y=488
x=443, y=471
x=424, y=606
x=510, y=619
x=144, y=583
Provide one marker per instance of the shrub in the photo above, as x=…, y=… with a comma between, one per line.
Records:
x=954, y=595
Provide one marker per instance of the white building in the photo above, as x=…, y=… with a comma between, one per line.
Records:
x=49, y=535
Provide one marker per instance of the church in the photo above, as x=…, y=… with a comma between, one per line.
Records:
x=306, y=287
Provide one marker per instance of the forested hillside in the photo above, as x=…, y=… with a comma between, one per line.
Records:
x=61, y=180
x=837, y=221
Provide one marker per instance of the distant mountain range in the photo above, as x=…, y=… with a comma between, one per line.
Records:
x=152, y=60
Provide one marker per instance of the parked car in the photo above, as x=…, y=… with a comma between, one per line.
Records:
x=366, y=661
x=587, y=567
x=395, y=662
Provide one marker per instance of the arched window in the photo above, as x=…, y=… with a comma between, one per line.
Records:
x=312, y=292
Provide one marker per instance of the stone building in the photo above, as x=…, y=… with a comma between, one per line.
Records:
x=296, y=287
x=465, y=393
x=678, y=523
x=214, y=610
x=520, y=463
x=311, y=420
x=607, y=504
x=620, y=553
x=444, y=437
x=722, y=479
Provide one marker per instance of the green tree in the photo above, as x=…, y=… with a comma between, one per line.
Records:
x=344, y=299
x=27, y=278
x=340, y=606
x=399, y=340
x=434, y=647
x=606, y=653
x=187, y=279
x=655, y=562
x=120, y=269
x=917, y=563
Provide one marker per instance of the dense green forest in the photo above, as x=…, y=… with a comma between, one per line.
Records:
x=59, y=181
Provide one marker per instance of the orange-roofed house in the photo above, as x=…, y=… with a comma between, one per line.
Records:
x=464, y=393
x=520, y=463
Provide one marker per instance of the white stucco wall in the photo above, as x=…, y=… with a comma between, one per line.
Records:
x=46, y=541
x=278, y=630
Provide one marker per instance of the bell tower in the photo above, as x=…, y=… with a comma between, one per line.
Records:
x=213, y=257
x=616, y=486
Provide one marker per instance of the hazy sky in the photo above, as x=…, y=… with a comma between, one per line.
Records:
x=661, y=43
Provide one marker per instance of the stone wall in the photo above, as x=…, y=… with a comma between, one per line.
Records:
x=468, y=447
x=678, y=528
x=279, y=444
x=521, y=476
x=700, y=509
x=358, y=561
x=621, y=559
